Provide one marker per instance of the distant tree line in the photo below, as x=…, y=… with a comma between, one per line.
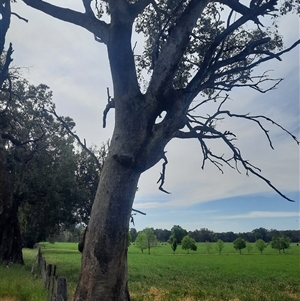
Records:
x=147, y=238
x=205, y=235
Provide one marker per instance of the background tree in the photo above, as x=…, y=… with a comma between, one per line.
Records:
x=50, y=202
x=133, y=234
x=150, y=238
x=173, y=243
x=239, y=244
x=261, y=245
x=208, y=246
x=280, y=243
x=203, y=235
x=191, y=50
x=227, y=236
x=249, y=246
x=162, y=234
x=260, y=233
x=219, y=246
x=27, y=133
x=178, y=232
x=87, y=178
x=141, y=241
x=188, y=243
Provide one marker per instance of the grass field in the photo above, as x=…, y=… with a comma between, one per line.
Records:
x=17, y=283
x=163, y=276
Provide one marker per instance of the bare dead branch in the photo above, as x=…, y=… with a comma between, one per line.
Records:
x=83, y=145
x=205, y=130
x=110, y=105
x=18, y=142
x=163, y=174
x=132, y=214
x=4, y=75
x=209, y=63
x=19, y=17
x=89, y=22
x=138, y=211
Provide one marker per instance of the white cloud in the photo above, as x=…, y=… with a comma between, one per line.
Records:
x=260, y=214
x=147, y=205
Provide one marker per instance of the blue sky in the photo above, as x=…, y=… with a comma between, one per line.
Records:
x=75, y=67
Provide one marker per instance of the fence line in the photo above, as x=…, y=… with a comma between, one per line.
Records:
x=56, y=286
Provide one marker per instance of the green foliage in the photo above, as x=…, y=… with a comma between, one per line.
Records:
x=280, y=243
x=261, y=245
x=188, y=244
x=133, y=233
x=150, y=238
x=208, y=246
x=146, y=239
x=87, y=179
x=249, y=247
x=178, y=232
x=173, y=242
x=141, y=241
x=219, y=245
x=239, y=244
x=156, y=24
x=52, y=182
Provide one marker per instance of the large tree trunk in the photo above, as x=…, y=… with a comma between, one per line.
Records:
x=10, y=237
x=104, y=260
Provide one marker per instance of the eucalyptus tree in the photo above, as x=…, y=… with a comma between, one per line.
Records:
x=37, y=167
x=192, y=49
x=51, y=196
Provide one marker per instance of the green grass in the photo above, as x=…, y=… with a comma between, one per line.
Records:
x=163, y=276
x=17, y=283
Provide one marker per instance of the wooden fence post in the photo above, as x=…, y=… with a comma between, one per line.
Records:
x=56, y=286
x=61, y=289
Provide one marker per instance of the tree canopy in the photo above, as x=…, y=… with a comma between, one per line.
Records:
x=239, y=244
x=188, y=243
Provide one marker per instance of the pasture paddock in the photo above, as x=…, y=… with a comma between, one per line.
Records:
x=163, y=276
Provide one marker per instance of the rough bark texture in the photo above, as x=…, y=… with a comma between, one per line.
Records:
x=104, y=261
